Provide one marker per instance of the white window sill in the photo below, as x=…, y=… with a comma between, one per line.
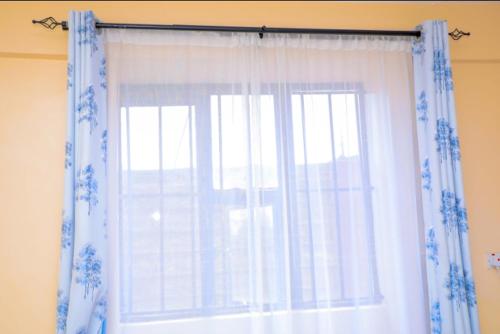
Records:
x=289, y=322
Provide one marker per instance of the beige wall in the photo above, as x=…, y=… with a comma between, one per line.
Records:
x=32, y=126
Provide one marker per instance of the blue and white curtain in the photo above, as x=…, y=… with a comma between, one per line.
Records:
x=81, y=307
x=82, y=290
x=452, y=295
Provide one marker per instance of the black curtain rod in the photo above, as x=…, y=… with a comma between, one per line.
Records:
x=51, y=23
x=259, y=30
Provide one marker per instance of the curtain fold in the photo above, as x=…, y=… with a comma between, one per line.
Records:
x=81, y=306
x=451, y=286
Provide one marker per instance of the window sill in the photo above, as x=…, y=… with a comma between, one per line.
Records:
x=248, y=323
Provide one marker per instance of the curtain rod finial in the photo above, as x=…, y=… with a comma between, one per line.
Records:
x=51, y=23
x=456, y=34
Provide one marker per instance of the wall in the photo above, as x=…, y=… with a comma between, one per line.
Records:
x=32, y=126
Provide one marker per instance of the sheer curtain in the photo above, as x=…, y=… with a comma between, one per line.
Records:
x=262, y=185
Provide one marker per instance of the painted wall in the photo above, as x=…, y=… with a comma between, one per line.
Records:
x=32, y=126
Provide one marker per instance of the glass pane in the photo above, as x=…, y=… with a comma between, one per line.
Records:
x=144, y=138
x=245, y=262
x=140, y=144
x=178, y=149
x=345, y=125
x=123, y=139
x=329, y=210
x=230, y=143
x=263, y=139
x=311, y=127
x=178, y=137
x=182, y=280
x=141, y=253
x=243, y=141
x=356, y=227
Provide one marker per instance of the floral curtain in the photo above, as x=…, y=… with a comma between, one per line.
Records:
x=451, y=288
x=81, y=306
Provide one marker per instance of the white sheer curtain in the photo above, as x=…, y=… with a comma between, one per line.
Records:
x=262, y=185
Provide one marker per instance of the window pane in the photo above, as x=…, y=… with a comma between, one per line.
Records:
x=140, y=254
x=178, y=149
x=181, y=260
x=331, y=201
x=140, y=144
x=144, y=138
x=311, y=126
x=243, y=141
x=245, y=267
x=159, y=216
x=345, y=125
x=178, y=137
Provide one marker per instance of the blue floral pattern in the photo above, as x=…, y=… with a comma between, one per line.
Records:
x=86, y=186
x=454, y=148
x=446, y=141
x=102, y=73
x=442, y=71
x=104, y=145
x=88, y=33
x=422, y=107
x=62, y=311
x=67, y=230
x=82, y=330
x=100, y=311
x=450, y=283
x=69, y=73
x=88, y=268
x=454, y=216
x=87, y=108
x=460, y=287
x=82, y=287
x=436, y=318
x=68, y=157
x=432, y=247
x=426, y=175
x=418, y=46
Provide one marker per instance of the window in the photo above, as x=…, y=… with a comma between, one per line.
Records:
x=210, y=224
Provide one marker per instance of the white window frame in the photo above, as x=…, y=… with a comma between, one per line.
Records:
x=115, y=325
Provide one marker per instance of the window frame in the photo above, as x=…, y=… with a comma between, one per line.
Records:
x=283, y=125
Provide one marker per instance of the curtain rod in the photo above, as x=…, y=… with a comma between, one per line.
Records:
x=51, y=23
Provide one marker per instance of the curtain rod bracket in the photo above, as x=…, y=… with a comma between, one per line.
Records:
x=51, y=23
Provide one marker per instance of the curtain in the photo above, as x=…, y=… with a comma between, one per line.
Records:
x=262, y=185
x=451, y=286
x=81, y=306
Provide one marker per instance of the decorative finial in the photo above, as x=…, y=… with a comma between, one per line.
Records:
x=457, y=34
x=51, y=23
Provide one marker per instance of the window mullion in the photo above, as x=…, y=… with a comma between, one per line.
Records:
x=226, y=274
x=130, y=231
x=308, y=200
x=162, y=227
x=192, y=211
x=337, y=202
x=250, y=199
x=282, y=270
x=205, y=203
x=295, y=284
x=367, y=191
